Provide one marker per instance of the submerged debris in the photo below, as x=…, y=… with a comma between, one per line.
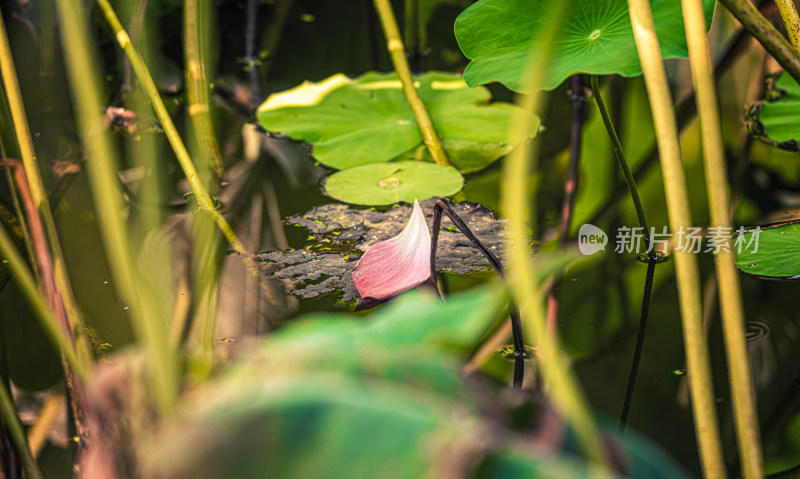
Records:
x=341, y=234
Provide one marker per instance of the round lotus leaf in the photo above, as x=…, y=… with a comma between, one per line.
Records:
x=770, y=252
x=595, y=37
x=387, y=183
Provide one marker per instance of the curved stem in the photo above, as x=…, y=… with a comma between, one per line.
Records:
x=398, y=53
x=651, y=263
x=766, y=34
x=686, y=269
x=443, y=206
x=730, y=297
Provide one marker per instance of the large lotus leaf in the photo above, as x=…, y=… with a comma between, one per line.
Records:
x=771, y=252
x=387, y=183
x=353, y=122
x=499, y=37
x=777, y=120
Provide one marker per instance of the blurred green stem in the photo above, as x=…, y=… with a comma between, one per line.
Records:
x=148, y=318
x=196, y=20
x=11, y=420
x=204, y=200
x=686, y=269
x=791, y=20
x=766, y=34
x=398, y=53
x=518, y=205
x=730, y=297
x=205, y=255
x=27, y=285
x=39, y=194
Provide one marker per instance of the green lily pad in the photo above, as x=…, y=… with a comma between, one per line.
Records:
x=387, y=183
x=777, y=255
x=354, y=122
x=596, y=37
x=777, y=119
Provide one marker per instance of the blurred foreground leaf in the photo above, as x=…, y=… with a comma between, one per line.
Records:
x=338, y=397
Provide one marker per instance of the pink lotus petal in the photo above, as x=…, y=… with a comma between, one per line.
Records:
x=397, y=264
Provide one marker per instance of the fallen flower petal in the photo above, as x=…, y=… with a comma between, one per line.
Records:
x=397, y=264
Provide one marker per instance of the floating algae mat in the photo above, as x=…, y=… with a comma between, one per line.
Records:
x=339, y=235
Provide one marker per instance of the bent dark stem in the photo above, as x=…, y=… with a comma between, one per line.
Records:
x=443, y=206
x=651, y=256
x=637, y=353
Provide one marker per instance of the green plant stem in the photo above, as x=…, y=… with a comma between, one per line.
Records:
x=398, y=53
x=27, y=285
x=620, y=155
x=195, y=14
x=204, y=200
x=791, y=20
x=148, y=318
x=686, y=269
x=205, y=256
x=28, y=156
x=9, y=413
x=766, y=34
x=518, y=206
x=730, y=297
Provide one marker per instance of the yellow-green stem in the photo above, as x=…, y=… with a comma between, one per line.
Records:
x=205, y=264
x=686, y=270
x=27, y=285
x=517, y=205
x=791, y=20
x=148, y=318
x=204, y=200
x=730, y=297
x=195, y=14
x=398, y=54
x=28, y=156
x=11, y=421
